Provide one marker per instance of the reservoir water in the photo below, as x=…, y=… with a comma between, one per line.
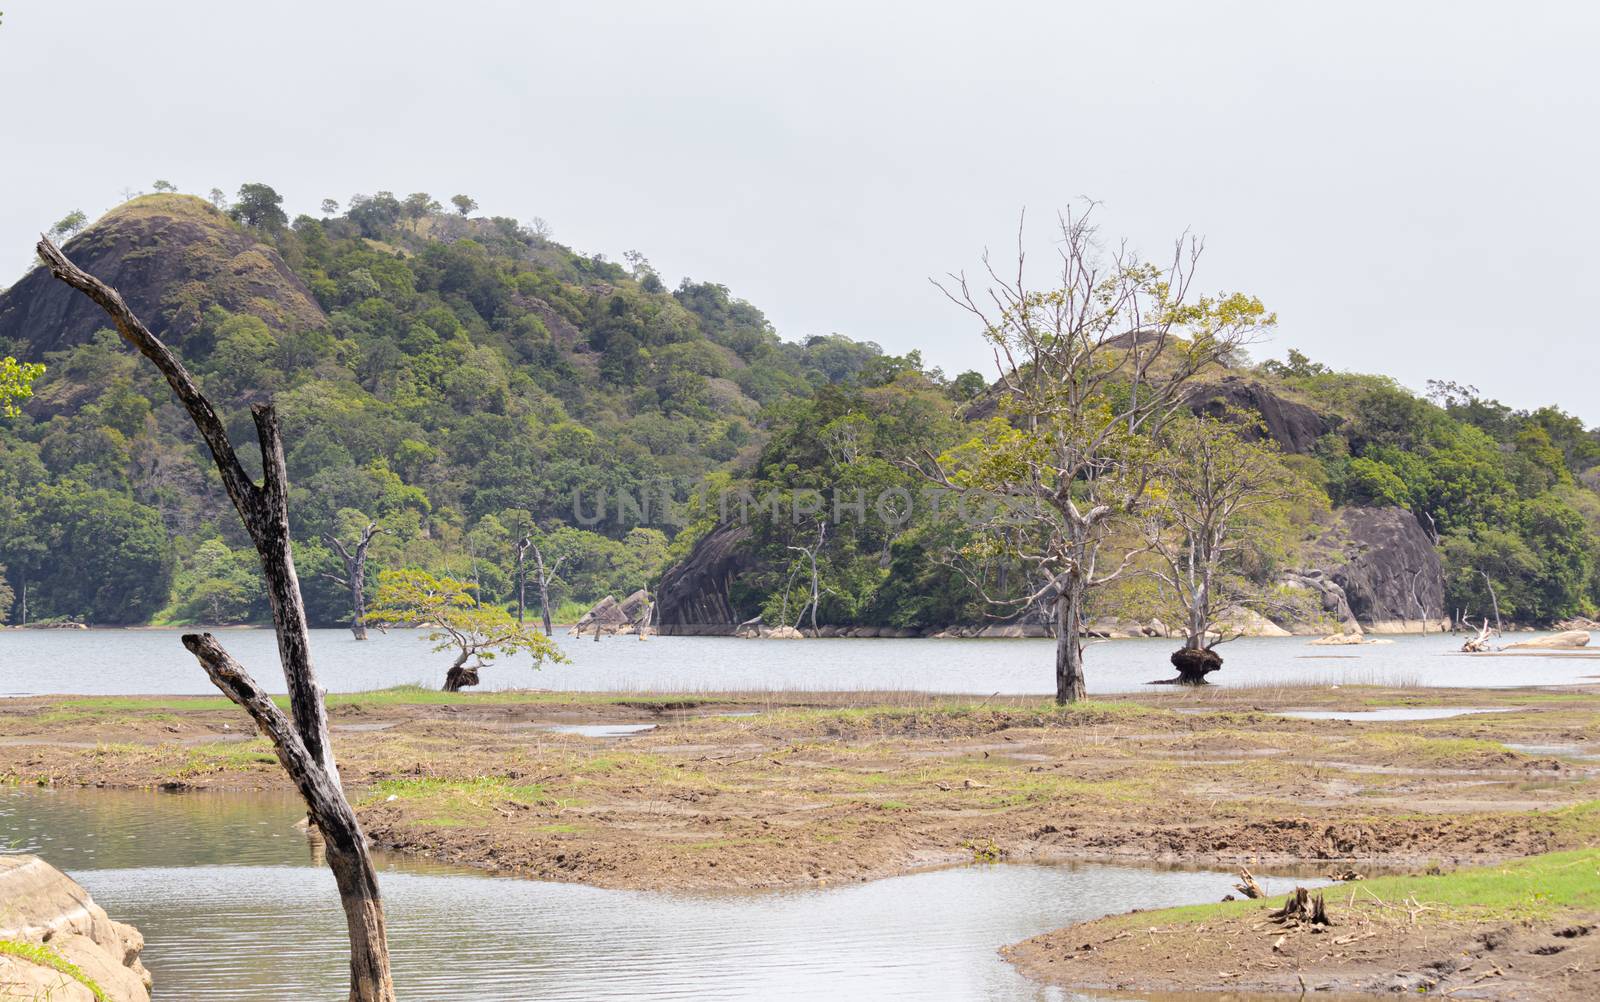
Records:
x=233, y=908
x=153, y=661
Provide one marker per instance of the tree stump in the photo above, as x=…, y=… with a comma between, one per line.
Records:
x=1302, y=907
x=1193, y=664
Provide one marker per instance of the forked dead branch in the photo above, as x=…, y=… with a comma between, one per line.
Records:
x=300, y=738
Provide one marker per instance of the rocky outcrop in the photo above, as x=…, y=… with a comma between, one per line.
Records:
x=1375, y=570
x=631, y=615
x=172, y=257
x=49, y=928
x=1294, y=426
x=1567, y=640
x=695, y=595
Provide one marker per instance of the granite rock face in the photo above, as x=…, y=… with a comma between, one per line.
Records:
x=43, y=909
x=1387, y=568
x=172, y=257
x=695, y=595
x=1294, y=426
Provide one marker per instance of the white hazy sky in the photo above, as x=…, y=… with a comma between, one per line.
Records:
x=1411, y=185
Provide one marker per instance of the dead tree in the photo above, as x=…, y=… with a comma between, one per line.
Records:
x=355, y=575
x=1495, y=599
x=546, y=575
x=301, y=736
x=810, y=553
x=1479, y=644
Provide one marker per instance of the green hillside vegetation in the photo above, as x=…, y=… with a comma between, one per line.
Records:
x=460, y=380
x=470, y=380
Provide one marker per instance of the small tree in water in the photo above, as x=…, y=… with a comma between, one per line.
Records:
x=1089, y=370
x=1216, y=498
x=445, y=608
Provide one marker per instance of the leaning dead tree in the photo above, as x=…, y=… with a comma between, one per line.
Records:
x=1090, y=367
x=355, y=574
x=300, y=737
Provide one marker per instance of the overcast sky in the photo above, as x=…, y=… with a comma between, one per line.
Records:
x=1412, y=186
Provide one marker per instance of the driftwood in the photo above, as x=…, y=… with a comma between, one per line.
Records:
x=1480, y=643
x=355, y=575
x=1247, y=885
x=301, y=737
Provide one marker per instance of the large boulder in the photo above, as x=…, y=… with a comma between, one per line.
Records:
x=1386, y=568
x=172, y=257
x=51, y=918
x=695, y=595
x=1294, y=426
x=631, y=615
x=1567, y=640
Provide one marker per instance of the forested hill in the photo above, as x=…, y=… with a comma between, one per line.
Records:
x=454, y=377
x=459, y=380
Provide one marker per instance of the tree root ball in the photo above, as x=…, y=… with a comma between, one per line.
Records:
x=1194, y=664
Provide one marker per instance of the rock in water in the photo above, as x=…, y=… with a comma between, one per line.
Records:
x=1340, y=640
x=1567, y=641
x=42, y=908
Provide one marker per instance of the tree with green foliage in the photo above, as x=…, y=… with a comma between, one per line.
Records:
x=1089, y=371
x=219, y=586
x=464, y=204
x=1214, y=494
x=160, y=185
x=449, y=613
x=107, y=559
x=260, y=207
x=68, y=225
x=16, y=383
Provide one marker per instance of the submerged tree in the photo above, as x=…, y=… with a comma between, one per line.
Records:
x=300, y=737
x=546, y=574
x=1088, y=370
x=447, y=610
x=354, y=577
x=1214, y=494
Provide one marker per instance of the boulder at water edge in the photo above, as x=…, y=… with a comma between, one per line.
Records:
x=1565, y=641
x=56, y=943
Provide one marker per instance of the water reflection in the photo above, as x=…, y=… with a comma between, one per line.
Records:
x=231, y=909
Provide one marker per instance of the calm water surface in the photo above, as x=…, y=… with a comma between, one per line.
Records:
x=232, y=907
x=153, y=661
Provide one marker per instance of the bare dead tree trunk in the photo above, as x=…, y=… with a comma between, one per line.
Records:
x=1494, y=599
x=545, y=576
x=355, y=575
x=1070, y=685
x=301, y=738
x=522, y=577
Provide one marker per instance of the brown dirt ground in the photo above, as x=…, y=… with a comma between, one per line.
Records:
x=820, y=789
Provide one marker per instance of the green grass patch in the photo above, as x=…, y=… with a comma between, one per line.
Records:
x=453, y=803
x=37, y=953
x=1534, y=888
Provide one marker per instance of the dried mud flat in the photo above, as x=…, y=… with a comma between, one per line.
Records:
x=760, y=790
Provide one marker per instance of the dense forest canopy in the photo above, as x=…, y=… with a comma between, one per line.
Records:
x=462, y=379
